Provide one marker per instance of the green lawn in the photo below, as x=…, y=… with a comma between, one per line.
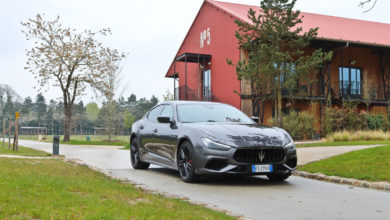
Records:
x=342, y=143
x=23, y=151
x=371, y=164
x=53, y=189
x=117, y=140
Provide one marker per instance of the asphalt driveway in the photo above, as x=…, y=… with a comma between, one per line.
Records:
x=253, y=197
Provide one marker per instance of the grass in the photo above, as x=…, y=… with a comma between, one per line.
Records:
x=53, y=189
x=369, y=164
x=23, y=151
x=370, y=135
x=342, y=143
x=118, y=140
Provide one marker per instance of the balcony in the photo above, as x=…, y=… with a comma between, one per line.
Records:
x=357, y=91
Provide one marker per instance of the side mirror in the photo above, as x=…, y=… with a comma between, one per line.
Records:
x=164, y=120
x=256, y=119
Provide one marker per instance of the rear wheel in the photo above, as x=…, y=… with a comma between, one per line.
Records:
x=185, y=162
x=136, y=162
x=278, y=176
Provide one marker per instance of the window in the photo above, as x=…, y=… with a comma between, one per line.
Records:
x=152, y=116
x=350, y=81
x=205, y=112
x=207, y=85
x=167, y=112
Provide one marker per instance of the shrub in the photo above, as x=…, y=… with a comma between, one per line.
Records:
x=347, y=118
x=300, y=125
x=375, y=122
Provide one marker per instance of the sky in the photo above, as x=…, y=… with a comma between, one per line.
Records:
x=149, y=31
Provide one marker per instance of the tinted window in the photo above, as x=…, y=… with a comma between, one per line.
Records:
x=152, y=116
x=167, y=112
x=211, y=113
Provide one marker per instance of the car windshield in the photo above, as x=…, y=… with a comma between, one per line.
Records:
x=188, y=113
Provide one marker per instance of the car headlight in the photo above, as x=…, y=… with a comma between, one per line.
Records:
x=214, y=145
x=290, y=146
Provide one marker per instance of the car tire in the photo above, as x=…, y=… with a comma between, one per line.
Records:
x=135, y=160
x=185, y=162
x=278, y=177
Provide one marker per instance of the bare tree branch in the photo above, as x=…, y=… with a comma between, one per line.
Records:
x=362, y=4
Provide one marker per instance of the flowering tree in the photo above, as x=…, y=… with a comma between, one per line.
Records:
x=68, y=59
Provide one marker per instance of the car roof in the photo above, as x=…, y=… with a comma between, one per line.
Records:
x=181, y=102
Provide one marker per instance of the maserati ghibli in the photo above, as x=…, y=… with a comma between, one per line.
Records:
x=200, y=138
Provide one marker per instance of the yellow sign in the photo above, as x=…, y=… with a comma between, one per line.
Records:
x=16, y=114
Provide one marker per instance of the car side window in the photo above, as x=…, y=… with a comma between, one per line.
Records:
x=167, y=112
x=152, y=116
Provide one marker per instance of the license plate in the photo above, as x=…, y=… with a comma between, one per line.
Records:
x=262, y=168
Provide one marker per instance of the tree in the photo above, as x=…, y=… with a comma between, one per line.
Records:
x=9, y=105
x=50, y=115
x=40, y=108
x=276, y=58
x=129, y=119
x=168, y=96
x=92, y=110
x=72, y=60
x=369, y=92
x=111, y=107
x=26, y=108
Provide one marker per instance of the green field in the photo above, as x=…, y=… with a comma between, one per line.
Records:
x=53, y=189
x=371, y=164
x=117, y=140
x=23, y=151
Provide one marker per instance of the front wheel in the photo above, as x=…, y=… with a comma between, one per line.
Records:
x=185, y=162
x=136, y=162
x=278, y=177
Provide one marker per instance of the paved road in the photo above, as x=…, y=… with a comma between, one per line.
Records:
x=253, y=197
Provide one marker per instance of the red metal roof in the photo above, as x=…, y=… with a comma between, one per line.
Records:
x=330, y=27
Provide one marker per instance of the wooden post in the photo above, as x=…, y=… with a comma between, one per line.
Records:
x=16, y=137
x=9, y=133
x=3, y=131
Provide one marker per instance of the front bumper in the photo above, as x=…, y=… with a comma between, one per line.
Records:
x=213, y=161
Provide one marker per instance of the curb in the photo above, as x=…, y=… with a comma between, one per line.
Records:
x=341, y=180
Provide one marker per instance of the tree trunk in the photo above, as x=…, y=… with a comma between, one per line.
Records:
x=280, y=124
x=67, y=122
x=279, y=98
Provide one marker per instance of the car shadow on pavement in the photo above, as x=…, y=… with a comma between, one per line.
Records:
x=225, y=179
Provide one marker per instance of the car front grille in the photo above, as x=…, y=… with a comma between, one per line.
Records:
x=259, y=156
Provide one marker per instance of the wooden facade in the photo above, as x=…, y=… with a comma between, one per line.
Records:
x=371, y=63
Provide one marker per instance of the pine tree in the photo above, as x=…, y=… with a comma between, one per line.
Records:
x=40, y=108
x=276, y=61
x=9, y=105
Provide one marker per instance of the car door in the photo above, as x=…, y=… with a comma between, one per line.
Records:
x=148, y=133
x=167, y=134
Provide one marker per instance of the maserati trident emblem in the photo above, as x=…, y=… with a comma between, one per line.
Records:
x=261, y=156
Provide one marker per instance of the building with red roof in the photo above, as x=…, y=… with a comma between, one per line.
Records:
x=361, y=54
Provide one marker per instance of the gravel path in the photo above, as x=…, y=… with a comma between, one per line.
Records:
x=310, y=154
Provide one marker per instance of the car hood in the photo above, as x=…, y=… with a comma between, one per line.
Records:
x=243, y=135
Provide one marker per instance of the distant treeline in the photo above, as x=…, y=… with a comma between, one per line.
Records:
x=87, y=119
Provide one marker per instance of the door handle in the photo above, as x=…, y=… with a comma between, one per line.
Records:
x=141, y=127
x=155, y=130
